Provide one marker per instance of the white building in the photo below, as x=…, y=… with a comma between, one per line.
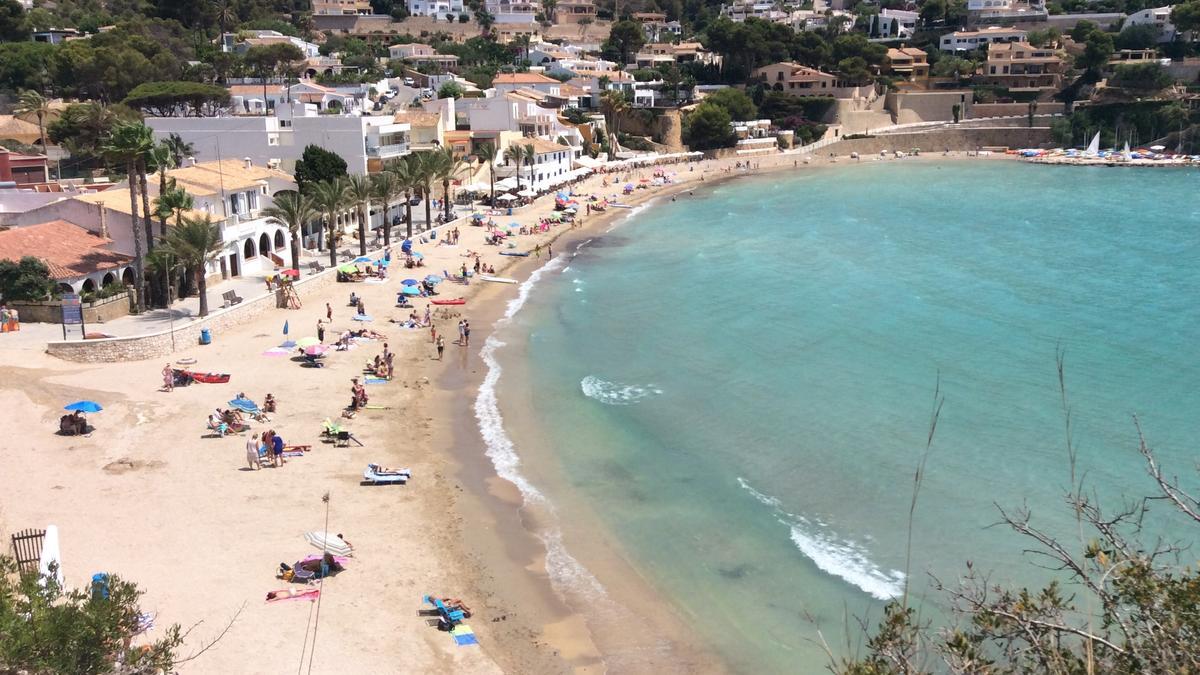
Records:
x=435, y=8
x=740, y=10
x=514, y=11
x=230, y=43
x=970, y=40
x=232, y=192
x=893, y=24
x=551, y=167
x=1160, y=18
x=365, y=142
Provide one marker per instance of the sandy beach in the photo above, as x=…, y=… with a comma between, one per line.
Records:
x=149, y=497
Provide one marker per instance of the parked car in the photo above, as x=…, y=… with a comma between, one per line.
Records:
x=408, y=82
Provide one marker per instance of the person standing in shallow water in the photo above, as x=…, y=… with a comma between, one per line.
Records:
x=441, y=347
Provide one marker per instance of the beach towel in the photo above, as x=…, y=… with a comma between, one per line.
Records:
x=311, y=595
x=276, y=351
x=376, y=380
x=463, y=635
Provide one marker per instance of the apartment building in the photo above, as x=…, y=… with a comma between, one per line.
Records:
x=435, y=8
x=970, y=40
x=1159, y=17
x=1019, y=66
x=341, y=7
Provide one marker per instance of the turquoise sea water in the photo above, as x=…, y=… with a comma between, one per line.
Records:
x=737, y=386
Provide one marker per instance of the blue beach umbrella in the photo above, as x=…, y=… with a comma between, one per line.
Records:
x=409, y=282
x=433, y=279
x=84, y=406
x=410, y=290
x=362, y=259
x=418, y=256
x=244, y=404
x=285, y=327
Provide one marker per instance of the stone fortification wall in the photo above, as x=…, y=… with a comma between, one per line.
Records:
x=155, y=345
x=958, y=138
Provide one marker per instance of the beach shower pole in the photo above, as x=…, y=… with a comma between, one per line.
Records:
x=324, y=552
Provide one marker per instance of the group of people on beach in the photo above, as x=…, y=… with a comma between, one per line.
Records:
x=10, y=319
x=268, y=446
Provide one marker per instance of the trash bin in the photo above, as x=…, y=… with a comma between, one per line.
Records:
x=205, y=336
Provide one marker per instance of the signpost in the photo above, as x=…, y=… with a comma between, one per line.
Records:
x=72, y=313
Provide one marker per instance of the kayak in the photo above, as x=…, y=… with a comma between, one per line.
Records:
x=455, y=301
x=209, y=378
x=499, y=280
x=515, y=254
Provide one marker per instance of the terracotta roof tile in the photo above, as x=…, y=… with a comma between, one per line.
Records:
x=67, y=249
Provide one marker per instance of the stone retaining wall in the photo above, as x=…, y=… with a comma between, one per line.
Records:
x=155, y=345
x=93, y=312
x=958, y=138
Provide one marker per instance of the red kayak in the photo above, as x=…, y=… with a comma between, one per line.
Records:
x=209, y=378
x=456, y=301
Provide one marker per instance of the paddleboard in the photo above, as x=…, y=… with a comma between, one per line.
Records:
x=515, y=254
x=457, y=301
x=499, y=280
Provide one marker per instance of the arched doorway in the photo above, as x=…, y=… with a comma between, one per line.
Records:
x=127, y=276
x=89, y=286
x=264, y=244
x=280, y=241
x=65, y=288
x=248, y=251
x=109, y=279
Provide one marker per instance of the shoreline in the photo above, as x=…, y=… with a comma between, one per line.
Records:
x=457, y=528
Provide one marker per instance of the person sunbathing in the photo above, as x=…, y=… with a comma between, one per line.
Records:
x=388, y=471
x=308, y=593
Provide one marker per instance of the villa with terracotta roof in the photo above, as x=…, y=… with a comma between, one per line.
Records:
x=79, y=260
x=23, y=169
x=797, y=80
x=909, y=62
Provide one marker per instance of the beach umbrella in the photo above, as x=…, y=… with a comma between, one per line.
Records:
x=409, y=282
x=244, y=404
x=385, y=262
x=290, y=273
x=362, y=259
x=506, y=198
x=307, y=342
x=418, y=256
x=84, y=406
x=527, y=193
x=406, y=245
x=285, y=327
x=316, y=350
x=362, y=317
x=348, y=268
x=329, y=542
x=410, y=290
x=433, y=279
x=1158, y=148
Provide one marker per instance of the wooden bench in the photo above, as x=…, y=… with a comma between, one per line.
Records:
x=231, y=298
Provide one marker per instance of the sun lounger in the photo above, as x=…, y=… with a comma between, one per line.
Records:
x=372, y=476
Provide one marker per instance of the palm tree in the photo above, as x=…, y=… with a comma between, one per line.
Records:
x=329, y=198
x=530, y=157
x=614, y=105
x=516, y=154
x=162, y=160
x=486, y=153
x=402, y=170
x=173, y=202
x=195, y=242
x=358, y=189
x=226, y=13
x=386, y=187
x=292, y=209
x=124, y=146
x=179, y=148
x=31, y=102
x=448, y=166
x=425, y=171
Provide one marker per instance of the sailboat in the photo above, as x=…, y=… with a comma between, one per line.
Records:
x=1125, y=152
x=1093, y=148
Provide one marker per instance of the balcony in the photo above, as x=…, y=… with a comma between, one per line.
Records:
x=387, y=151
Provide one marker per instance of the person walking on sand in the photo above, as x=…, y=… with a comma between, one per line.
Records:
x=466, y=331
x=460, y=331
x=252, y=452
x=265, y=442
x=328, y=312
x=320, y=331
x=168, y=378
x=277, y=447
x=441, y=347
x=432, y=330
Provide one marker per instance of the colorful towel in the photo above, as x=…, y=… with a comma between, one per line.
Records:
x=376, y=380
x=463, y=635
x=311, y=595
x=276, y=351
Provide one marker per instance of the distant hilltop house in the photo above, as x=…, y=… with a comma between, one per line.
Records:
x=514, y=11
x=230, y=42
x=654, y=54
x=1021, y=67
x=569, y=12
x=23, y=170
x=418, y=54
x=797, y=80
x=341, y=7
x=893, y=24
x=740, y=10
x=1159, y=17
x=435, y=8
x=970, y=40
x=254, y=99
x=1004, y=11
x=908, y=62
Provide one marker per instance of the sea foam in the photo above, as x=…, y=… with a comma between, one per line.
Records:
x=567, y=574
x=612, y=393
x=842, y=558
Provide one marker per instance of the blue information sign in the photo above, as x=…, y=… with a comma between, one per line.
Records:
x=72, y=309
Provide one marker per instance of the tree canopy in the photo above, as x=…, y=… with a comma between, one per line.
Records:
x=172, y=99
x=625, y=38
x=26, y=279
x=318, y=164
x=735, y=102
x=708, y=127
